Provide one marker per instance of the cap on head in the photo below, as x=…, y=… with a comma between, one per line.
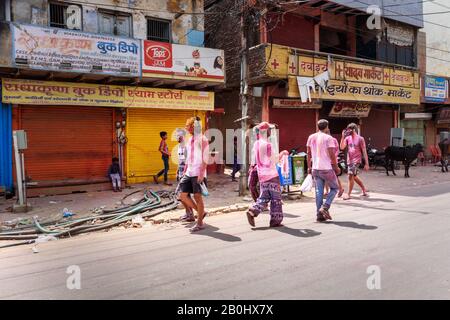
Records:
x=322, y=124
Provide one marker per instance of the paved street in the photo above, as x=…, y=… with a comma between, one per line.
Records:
x=406, y=233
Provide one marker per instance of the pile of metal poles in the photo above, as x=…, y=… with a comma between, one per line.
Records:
x=151, y=204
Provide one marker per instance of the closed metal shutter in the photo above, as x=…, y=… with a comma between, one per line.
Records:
x=67, y=144
x=143, y=128
x=377, y=127
x=295, y=125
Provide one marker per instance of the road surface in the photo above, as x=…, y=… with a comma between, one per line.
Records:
x=389, y=246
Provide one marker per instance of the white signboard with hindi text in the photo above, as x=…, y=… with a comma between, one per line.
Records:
x=66, y=50
x=167, y=60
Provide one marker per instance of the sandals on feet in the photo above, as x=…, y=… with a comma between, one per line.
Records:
x=250, y=218
x=196, y=228
x=324, y=212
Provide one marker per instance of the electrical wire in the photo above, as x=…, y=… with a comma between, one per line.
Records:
x=364, y=32
x=149, y=205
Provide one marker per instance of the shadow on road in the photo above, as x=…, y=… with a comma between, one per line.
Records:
x=352, y=224
x=362, y=206
x=302, y=233
x=288, y=215
x=369, y=199
x=212, y=232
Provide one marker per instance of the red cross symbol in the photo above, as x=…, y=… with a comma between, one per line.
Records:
x=292, y=67
x=386, y=76
x=275, y=64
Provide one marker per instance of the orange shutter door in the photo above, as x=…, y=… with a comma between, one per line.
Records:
x=67, y=143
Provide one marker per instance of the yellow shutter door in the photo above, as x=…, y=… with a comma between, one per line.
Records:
x=143, y=128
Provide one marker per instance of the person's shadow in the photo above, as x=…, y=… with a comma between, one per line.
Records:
x=352, y=224
x=302, y=233
x=212, y=232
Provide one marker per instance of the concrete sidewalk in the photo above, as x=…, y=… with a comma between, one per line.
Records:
x=223, y=197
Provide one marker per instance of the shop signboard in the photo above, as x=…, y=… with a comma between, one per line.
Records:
x=54, y=49
x=436, y=89
x=350, y=110
x=355, y=91
x=167, y=60
x=31, y=92
x=295, y=104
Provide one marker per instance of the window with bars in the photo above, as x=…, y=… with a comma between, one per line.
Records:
x=159, y=30
x=58, y=15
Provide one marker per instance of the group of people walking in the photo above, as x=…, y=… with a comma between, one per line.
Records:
x=322, y=159
x=323, y=150
x=264, y=182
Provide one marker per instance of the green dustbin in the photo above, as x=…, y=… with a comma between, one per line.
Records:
x=299, y=168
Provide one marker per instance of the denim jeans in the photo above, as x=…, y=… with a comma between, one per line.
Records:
x=166, y=168
x=321, y=177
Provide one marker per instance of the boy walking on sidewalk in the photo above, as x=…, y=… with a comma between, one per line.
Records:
x=115, y=174
x=164, y=149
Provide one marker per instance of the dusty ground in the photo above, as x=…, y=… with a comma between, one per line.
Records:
x=223, y=193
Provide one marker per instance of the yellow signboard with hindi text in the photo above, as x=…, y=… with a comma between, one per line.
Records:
x=31, y=92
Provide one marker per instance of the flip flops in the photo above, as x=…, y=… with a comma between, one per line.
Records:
x=196, y=228
x=250, y=218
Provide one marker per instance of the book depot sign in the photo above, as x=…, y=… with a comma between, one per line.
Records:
x=75, y=51
x=31, y=92
x=163, y=60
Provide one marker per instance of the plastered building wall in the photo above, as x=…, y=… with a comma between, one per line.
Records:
x=437, y=29
x=36, y=12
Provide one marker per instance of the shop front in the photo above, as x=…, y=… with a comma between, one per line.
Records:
x=436, y=101
x=346, y=91
x=74, y=129
x=294, y=129
x=152, y=111
x=70, y=131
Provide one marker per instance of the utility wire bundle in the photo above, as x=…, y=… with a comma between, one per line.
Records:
x=150, y=205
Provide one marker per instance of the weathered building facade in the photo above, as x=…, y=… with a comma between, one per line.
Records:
x=89, y=80
x=372, y=64
x=435, y=71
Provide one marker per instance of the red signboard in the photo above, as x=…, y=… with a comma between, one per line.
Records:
x=158, y=54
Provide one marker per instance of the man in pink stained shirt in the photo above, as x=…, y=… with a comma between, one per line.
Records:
x=322, y=164
x=195, y=171
x=265, y=158
x=356, y=150
x=337, y=151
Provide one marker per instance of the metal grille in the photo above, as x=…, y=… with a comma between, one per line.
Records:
x=58, y=15
x=158, y=30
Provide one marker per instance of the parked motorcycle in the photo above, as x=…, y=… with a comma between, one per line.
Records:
x=342, y=163
x=376, y=157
